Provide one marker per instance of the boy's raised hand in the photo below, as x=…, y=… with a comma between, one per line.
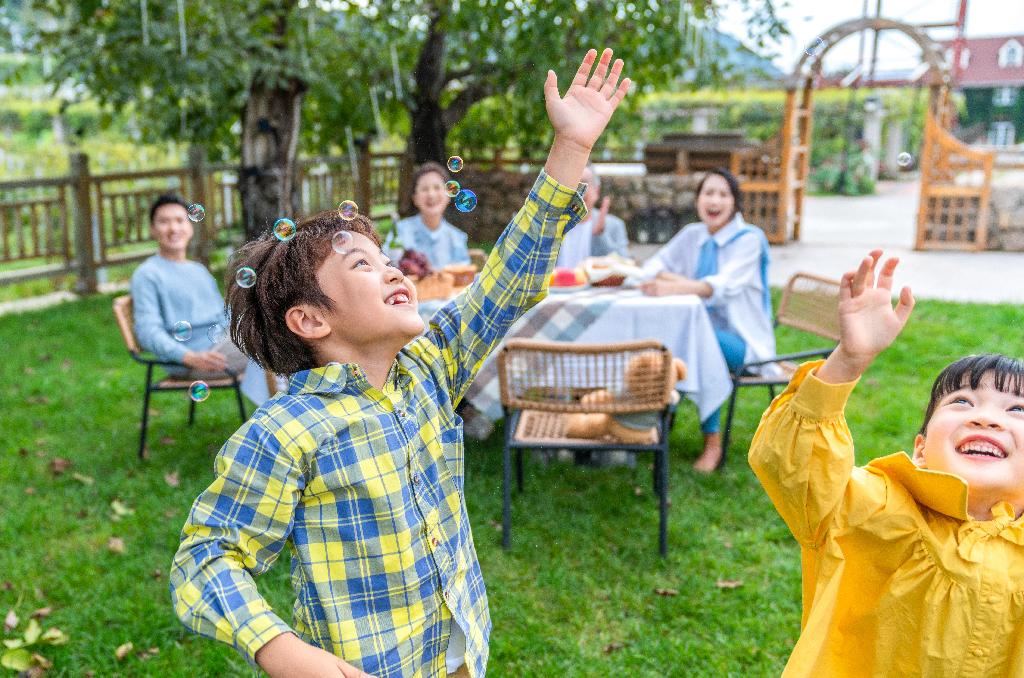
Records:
x=868, y=323
x=581, y=116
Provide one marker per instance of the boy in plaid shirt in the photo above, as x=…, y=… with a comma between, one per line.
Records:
x=358, y=468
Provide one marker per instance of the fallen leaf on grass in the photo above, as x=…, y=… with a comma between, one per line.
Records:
x=157, y=573
x=10, y=621
x=727, y=544
x=58, y=465
x=115, y=544
x=172, y=479
x=167, y=440
x=119, y=510
x=30, y=490
x=6, y=586
x=41, y=662
x=82, y=478
x=37, y=400
x=614, y=646
x=495, y=524
x=29, y=370
x=42, y=612
x=66, y=364
x=667, y=592
x=22, y=452
x=146, y=654
x=54, y=636
x=122, y=650
x=18, y=659
x=728, y=583
x=169, y=514
x=638, y=491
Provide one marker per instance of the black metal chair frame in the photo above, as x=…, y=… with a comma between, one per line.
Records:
x=154, y=387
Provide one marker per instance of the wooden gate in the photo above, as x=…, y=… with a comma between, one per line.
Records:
x=955, y=179
x=955, y=185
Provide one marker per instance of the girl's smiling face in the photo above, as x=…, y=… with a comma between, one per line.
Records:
x=429, y=196
x=978, y=434
x=715, y=204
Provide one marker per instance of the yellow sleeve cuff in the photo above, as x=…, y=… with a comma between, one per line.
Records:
x=816, y=399
x=556, y=197
x=257, y=631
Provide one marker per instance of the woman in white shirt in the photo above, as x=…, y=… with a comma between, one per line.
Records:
x=724, y=260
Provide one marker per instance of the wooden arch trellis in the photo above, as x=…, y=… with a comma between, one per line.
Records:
x=955, y=179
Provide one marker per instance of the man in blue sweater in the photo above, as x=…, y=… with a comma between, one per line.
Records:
x=168, y=290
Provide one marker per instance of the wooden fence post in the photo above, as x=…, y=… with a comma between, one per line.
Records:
x=85, y=257
x=197, y=189
x=364, y=190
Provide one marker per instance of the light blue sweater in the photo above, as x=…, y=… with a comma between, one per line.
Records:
x=165, y=292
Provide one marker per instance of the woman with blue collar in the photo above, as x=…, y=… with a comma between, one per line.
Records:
x=427, y=231
x=724, y=260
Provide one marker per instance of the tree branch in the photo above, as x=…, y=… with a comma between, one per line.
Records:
x=460, y=105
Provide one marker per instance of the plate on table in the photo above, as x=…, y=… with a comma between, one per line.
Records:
x=563, y=289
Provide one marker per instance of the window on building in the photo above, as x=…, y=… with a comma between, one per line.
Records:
x=1011, y=54
x=1001, y=134
x=965, y=58
x=1004, y=96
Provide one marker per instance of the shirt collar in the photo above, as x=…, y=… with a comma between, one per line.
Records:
x=334, y=378
x=729, y=230
x=938, y=490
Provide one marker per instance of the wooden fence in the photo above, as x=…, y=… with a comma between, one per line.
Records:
x=82, y=222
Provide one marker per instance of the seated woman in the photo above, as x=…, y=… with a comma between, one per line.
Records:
x=428, y=231
x=725, y=261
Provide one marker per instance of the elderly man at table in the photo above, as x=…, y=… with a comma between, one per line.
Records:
x=168, y=291
x=599, y=235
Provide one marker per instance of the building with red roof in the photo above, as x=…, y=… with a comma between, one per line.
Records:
x=990, y=74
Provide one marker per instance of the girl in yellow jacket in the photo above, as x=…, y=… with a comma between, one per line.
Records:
x=911, y=566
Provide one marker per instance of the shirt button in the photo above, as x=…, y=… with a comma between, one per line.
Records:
x=401, y=413
x=416, y=479
x=435, y=542
x=978, y=652
x=446, y=595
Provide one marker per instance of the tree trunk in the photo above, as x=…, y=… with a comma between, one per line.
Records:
x=270, y=135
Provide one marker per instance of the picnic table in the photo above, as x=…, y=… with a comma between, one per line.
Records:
x=611, y=314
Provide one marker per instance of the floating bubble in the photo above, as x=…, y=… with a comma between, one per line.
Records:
x=815, y=47
x=199, y=391
x=284, y=229
x=342, y=242
x=452, y=188
x=348, y=210
x=904, y=160
x=246, y=277
x=455, y=163
x=182, y=330
x=465, y=200
x=196, y=212
x=217, y=333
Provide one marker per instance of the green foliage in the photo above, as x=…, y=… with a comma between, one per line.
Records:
x=575, y=595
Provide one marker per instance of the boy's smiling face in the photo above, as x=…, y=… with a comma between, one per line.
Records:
x=978, y=434
x=375, y=306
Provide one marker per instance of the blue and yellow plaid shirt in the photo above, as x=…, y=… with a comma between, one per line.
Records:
x=365, y=486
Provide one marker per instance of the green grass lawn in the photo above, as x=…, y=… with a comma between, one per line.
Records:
x=575, y=596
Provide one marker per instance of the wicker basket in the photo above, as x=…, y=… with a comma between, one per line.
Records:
x=462, y=274
x=437, y=285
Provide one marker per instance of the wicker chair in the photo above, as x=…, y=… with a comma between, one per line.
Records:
x=123, y=315
x=809, y=303
x=542, y=382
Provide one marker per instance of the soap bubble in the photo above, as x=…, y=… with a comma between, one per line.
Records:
x=904, y=160
x=342, y=242
x=196, y=212
x=284, y=229
x=348, y=210
x=199, y=391
x=455, y=163
x=246, y=277
x=465, y=201
x=815, y=47
x=182, y=330
x=452, y=188
x=217, y=333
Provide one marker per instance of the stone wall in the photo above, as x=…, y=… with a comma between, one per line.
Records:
x=1006, y=217
x=500, y=194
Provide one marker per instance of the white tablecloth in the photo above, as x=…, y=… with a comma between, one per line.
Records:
x=599, y=315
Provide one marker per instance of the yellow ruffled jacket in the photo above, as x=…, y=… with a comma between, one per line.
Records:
x=898, y=580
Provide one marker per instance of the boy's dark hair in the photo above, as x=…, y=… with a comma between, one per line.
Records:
x=166, y=199
x=734, y=186
x=969, y=371
x=429, y=167
x=285, y=277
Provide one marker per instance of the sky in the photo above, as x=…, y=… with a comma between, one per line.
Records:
x=807, y=19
